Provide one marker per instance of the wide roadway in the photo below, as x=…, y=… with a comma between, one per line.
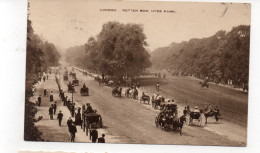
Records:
x=134, y=122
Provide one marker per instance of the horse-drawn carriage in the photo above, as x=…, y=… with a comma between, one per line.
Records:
x=71, y=88
x=75, y=82
x=167, y=121
x=117, y=91
x=91, y=120
x=157, y=100
x=84, y=91
x=131, y=93
x=145, y=97
x=170, y=107
x=195, y=116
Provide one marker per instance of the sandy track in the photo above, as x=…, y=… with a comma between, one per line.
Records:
x=133, y=122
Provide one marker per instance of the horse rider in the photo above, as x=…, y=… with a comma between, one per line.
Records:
x=196, y=110
x=158, y=86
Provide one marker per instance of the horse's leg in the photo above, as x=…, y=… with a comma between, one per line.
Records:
x=206, y=121
x=216, y=117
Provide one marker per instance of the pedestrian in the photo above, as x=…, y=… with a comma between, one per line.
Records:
x=72, y=131
x=47, y=76
x=69, y=123
x=51, y=112
x=94, y=135
x=44, y=78
x=73, y=109
x=65, y=101
x=59, y=117
x=45, y=92
x=39, y=100
x=51, y=96
x=101, y=139
x=55, y=107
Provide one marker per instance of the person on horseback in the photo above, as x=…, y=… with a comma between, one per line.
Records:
x=158, y=86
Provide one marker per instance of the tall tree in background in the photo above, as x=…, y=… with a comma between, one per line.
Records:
x=118, y=51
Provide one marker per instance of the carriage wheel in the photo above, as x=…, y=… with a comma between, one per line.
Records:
x=166, y=127
x=156, y=122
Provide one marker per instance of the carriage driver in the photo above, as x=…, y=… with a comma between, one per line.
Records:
x=84, y=86
x=196, y=110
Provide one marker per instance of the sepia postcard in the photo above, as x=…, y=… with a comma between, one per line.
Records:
x=137, y=72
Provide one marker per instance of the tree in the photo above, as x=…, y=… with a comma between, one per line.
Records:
x=122, y=50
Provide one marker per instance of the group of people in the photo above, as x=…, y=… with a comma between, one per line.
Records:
x=52, y=110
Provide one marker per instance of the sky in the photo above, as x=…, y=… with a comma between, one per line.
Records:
x=68, y=23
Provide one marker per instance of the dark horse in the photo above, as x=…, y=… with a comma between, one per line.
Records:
x=145, y=98
x=117, y=91
x=211, y=113
x=175, y=123
x=204, y=84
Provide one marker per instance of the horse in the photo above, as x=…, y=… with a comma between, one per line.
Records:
x=211, y=113
x=133, y=93
x=157, y=100
x=117, y=91
x=204, y=84
x=145, y=98
x=177, y=124
x=127, y=92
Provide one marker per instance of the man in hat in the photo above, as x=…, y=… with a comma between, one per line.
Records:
x=94, y=135
x=51, y=112
x=73, y=131
x=39, y=100
x=44, y=92
x=55, y=107
x=69, y=123
x=51, y=97
x=59, y=117
x=101, y=139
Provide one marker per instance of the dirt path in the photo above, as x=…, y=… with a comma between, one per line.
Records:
x=134, y=122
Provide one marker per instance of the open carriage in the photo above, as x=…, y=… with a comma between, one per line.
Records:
x=84, y=91
x=75, y=82
x=91, y=120
x=71, y=89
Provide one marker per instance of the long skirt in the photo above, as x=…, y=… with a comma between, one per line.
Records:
x=51, y=98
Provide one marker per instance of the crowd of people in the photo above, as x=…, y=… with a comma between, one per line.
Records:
x=72, y=129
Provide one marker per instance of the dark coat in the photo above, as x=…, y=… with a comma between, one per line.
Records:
x=69, y=123
x=51, y=110
x=73, y=129
x=94, y=134
x=101, y=140
x=39, y=99
x=60, y=115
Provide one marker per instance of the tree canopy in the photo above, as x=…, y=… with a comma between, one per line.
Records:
x=220, y=57
x=118, y=51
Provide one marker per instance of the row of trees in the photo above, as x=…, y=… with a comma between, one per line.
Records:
x=118, y=51
x=220, y=57
x=40, y=56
